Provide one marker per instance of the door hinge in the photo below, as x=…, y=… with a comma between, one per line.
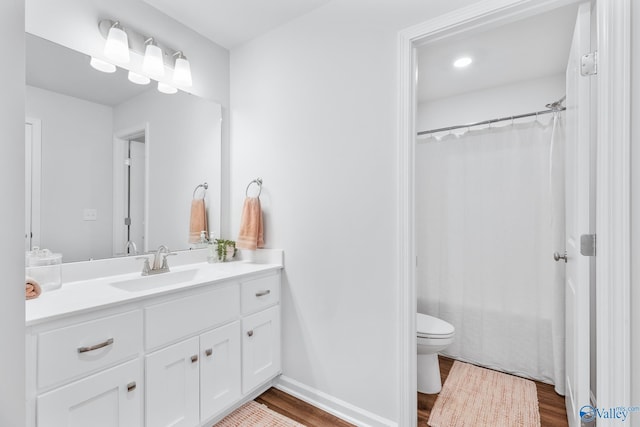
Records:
x=127, y=221
x=589, y=64
x=127, y=161
x=588, y=244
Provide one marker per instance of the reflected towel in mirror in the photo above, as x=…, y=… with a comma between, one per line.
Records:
x=251, y=235
x=198, y=222
x=32, y=288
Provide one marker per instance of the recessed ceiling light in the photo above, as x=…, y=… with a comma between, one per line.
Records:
x=465, y=61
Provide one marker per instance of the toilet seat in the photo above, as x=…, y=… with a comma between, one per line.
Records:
x=432, y=327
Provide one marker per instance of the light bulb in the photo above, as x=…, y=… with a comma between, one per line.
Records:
x=153, y=63
x=138, y=79
x=117, y=46
x=182, y=72
x=165, y=88
x=101, y=65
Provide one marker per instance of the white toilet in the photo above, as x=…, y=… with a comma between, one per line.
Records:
x=434, y=335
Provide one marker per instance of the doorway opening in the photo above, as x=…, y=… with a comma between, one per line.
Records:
x=613, y=86
x=130, y=216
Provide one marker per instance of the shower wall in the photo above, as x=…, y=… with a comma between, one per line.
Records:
x=507, y=100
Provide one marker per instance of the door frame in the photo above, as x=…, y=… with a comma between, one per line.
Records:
x=119, y=139
x=36, y=178
x=613, y=181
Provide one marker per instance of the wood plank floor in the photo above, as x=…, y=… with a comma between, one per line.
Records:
x=552, y=409
x=298, y=410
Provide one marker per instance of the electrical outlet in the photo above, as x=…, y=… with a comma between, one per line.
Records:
x=90, y=215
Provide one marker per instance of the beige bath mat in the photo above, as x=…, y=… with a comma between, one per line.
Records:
x=253, y=414
x=478, y=397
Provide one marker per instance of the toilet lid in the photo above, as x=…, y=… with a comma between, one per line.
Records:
x=429, y=326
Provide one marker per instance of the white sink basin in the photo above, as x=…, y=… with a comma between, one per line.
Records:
x=145, y=283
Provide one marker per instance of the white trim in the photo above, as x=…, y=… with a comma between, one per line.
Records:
x=613, y=263
x=36, y=181
x=331, y=404
x=613, y=258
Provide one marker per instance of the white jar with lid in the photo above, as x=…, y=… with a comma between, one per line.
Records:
x=45, y=267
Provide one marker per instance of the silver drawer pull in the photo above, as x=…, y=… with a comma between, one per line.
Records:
x=263, y=293
x=250, y=333
x=208, y=352
x=131, y=386
x=95, y=347
x=194, y=358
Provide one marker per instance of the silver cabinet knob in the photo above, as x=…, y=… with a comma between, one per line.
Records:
x=558, y=257
x=250, y=333
x=208, y=352
x=131, y=386
x=194, y=358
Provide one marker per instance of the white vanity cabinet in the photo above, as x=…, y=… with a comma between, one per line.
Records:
x=182, y=358
x=260, y=330
x=90, y=373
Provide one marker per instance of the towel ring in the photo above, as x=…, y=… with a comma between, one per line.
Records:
x=205, y=186
x=258, y=182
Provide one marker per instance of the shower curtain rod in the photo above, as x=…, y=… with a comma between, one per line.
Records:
x=488, y=122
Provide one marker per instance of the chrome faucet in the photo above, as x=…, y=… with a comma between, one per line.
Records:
x=130, y=244
x=160, y=264
x=158, y=260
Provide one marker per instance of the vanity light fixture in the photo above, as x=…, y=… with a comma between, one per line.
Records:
x=182, y=70
x=153, y=62
x=155, y=57
x=138, y=79
x=101, y=65
x=462, y=62
x=165, y=88
x=117, y=46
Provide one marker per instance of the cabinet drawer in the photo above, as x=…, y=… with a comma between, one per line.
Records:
x=69, y=352
x=260, y=293
x=173, y=320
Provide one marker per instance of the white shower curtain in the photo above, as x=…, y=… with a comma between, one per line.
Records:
x=489, y=215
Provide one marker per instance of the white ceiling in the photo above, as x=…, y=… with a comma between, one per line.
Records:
x=528, y=49
x=63, y=70
x=233, y=22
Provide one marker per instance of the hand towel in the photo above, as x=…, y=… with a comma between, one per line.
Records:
x=32, y=288
x=251, y=235
x=198, y=220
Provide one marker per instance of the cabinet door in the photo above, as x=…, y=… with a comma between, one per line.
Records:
x=111, y=398
x=172, y=386
x=260, y=347
x=219, y=369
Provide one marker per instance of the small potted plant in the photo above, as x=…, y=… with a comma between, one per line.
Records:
x=226, y=249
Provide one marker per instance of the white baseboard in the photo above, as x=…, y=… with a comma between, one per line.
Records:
x=331, y=404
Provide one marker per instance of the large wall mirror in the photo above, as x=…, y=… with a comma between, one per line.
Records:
x=110, y=162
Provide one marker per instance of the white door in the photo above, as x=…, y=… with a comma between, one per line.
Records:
x=136, y=193
x=219, y=369
x=172, y=387
x=577, y=192
x=111, y=398
x=260, y=347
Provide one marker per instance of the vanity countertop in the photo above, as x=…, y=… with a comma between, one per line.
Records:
x=97, y=293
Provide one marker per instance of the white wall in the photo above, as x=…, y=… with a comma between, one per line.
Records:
x=184, y=151
x=502, y=101
x=76, y=174
x=12, y=391
x=313, y=114
x=635, y=204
